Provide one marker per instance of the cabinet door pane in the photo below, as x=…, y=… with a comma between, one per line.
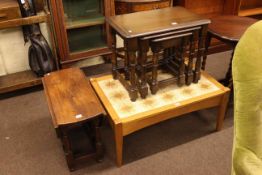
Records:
x=84, y=39
x=83, y=12
x=77, y=9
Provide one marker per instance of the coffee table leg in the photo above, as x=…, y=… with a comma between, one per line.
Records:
x=119, y=144
x=222, y=110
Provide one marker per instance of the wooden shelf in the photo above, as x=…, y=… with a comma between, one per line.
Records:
x=250, y=12
x=24, y=79
x=23, y=21
x=79, y=14
x=81, y=22
x=19, y=80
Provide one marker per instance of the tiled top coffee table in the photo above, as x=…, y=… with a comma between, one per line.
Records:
x=127, y=117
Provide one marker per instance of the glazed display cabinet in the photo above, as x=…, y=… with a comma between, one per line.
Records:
x=80, y=28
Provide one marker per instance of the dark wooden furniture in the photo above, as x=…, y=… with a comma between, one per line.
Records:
x=141, y=31
x=130, y=6
x=229, y=30
x=11, y=19
x=221, y=7
x=76, y=113
x=80, y=28
x=174, y=45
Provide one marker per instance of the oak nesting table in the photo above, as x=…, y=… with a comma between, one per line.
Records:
x=169, y=32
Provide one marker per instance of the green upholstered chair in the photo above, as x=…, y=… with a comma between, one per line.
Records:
x=247, y=79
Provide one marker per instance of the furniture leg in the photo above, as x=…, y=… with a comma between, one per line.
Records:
x=172, y=52
x=228, y=79
x=143, y=47
x=119, y=144
x=181, y=73
x=189, y=70
x=98, y=142
x=58, y=132
x=114, y=55
x=131, y=47
x=208, y=41
x=201, y=46
x=68, y=150
x=222, y=110
x=126, y=63
x=154, y=83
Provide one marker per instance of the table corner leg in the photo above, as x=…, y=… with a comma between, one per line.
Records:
x=119, y=144
x=222, y=110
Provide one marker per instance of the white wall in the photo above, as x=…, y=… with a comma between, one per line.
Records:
x=13, y=50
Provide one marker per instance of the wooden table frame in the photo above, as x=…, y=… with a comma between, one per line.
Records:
x=137, y=41
x=227, y=29
x=69, y=106
x=126, y=126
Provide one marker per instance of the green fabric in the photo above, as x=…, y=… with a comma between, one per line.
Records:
x=247, y=79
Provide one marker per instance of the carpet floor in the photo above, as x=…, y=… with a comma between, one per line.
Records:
x=182, y=146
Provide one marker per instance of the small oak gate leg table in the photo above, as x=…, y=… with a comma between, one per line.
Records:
x=75, y=109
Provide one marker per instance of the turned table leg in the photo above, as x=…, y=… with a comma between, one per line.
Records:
x=126, y=64
x=131, y=48
x=181, y=72
x=208, y=41
x=143, y=49
x=114, y=55
x=154, y=82
x=200, y=54
x=192, y=53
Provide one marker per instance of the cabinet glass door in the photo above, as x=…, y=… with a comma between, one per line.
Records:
x=85, y=24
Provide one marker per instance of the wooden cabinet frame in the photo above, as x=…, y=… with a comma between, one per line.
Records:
x=66, y=58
